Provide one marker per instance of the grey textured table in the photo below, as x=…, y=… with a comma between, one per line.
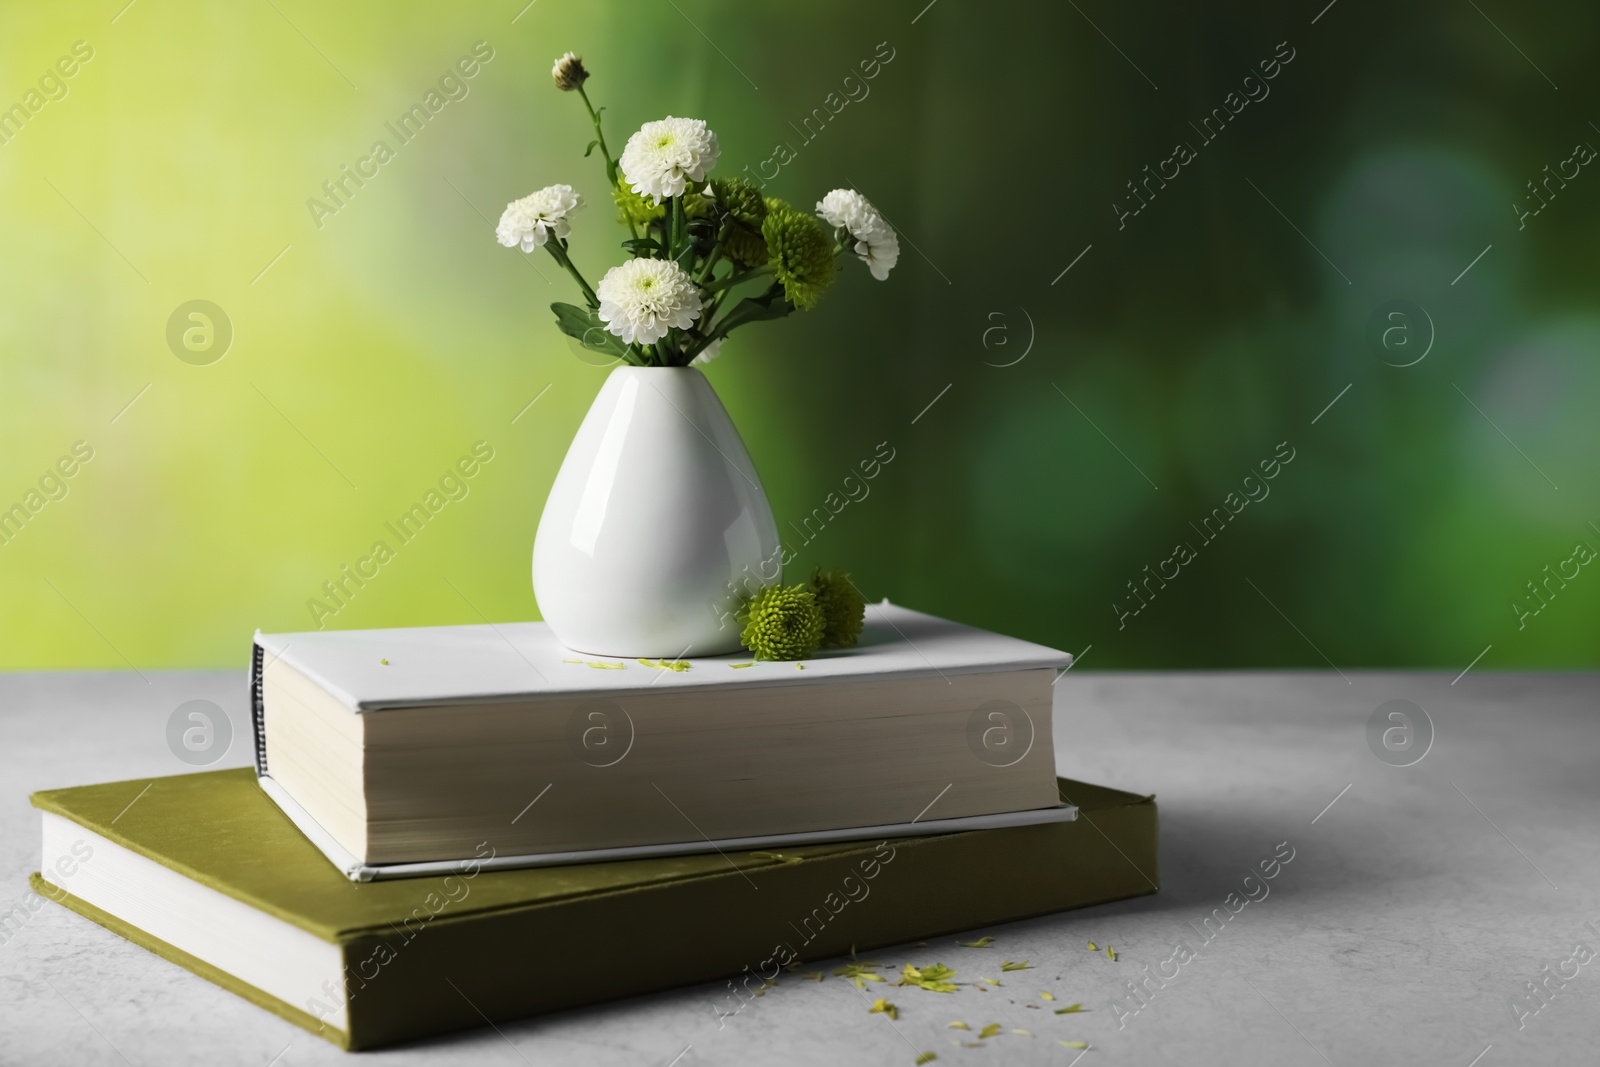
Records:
x=1418, y=902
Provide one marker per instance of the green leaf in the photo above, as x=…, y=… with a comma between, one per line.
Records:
x=926, y=1057
x=990, y=1031
x=1070, y=1009
x=586, y=327
x=591, y=148
x=769, y=305
x=982, y=942
x=642, y=246
x=1009, y=966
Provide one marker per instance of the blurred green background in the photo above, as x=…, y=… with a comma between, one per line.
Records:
x=1190, y=340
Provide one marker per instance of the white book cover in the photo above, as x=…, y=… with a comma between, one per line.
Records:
x=370, y=670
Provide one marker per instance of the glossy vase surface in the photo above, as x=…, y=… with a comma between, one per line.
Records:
x=656, y=523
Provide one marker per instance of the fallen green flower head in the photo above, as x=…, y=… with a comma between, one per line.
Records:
x=782, y=623
x=843, y=609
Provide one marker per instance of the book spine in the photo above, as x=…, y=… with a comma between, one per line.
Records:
x=258, y=721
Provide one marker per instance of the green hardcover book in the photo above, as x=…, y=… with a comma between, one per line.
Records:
x=205, y=871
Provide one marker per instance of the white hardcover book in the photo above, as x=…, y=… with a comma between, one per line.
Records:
x=411, y=751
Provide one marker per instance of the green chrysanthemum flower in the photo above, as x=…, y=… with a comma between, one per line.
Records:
x=782, y=622
x=695, y=205
x=631, y=207
x=842, y=606
x=741, y=207
x=740, y=199
x=800, y=249
x=745, y=247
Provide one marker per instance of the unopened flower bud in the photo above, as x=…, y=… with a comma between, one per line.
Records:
x=569, y=72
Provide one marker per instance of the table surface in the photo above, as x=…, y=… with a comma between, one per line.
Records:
x=1418, y=902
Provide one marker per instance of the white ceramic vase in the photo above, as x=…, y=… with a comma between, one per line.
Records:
x=656, y=523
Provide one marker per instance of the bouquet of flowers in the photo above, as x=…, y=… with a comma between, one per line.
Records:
x=694, y=242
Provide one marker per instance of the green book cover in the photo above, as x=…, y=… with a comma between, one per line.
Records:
x=520, y=942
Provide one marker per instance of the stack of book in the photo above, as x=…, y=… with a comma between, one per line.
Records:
x=517, y=819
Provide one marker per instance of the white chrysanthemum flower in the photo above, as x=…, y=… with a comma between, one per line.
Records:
x=875, y=240
x=847, y=209
x=642, y=298
x=708, y=353
x=529, y=222
x=665, y=155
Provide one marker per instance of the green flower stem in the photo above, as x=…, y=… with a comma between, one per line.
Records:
x=716, y=305
x=599, y=135
x=714, y=257
x=695, y=350
x=711, y=333
x=737, y=278
x=717, y=333
x=611, y=164
x=711, y=261
x=680, y=225
x=558, y=249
